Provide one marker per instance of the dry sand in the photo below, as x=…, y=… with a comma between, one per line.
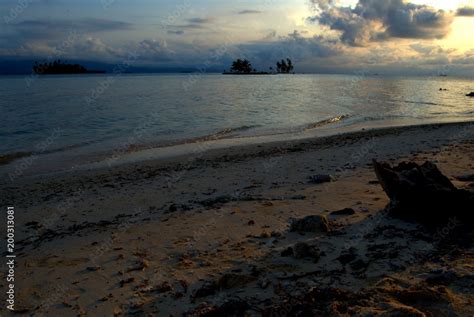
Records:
x=184, y=235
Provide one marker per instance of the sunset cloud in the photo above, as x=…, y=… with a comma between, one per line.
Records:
x=378, y=20
x=465, y=12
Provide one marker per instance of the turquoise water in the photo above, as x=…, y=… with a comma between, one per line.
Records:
x=100, y=113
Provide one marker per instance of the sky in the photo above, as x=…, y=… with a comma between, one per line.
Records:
x=383, y=36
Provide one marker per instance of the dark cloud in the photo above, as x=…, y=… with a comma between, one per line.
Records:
x=250, y=12
x=180, y=27
x=293, y=45
x=465, y=12
x=84, y=25
x=376, y=20
x=201, y=20
x=53, y=29
x=176, y=32
x=193, y=23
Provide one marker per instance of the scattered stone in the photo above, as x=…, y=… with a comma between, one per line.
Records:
x=227, y=281
x=275, y=234
x=34, y=224
x=208, y=288
x=264, y=235
x=343, y=212
x=141, y=265
x=163, y=287
x=117, y=311
x=315, y=223
x=231, y=308
x=127, y=281
x=466, y=178
x=251, y=223
x=93, y=268
x=320, y=178
x=231, y=280
x=347, y=256
x=287, y=252
x=264, y=283
x=358, y=265
x=303, y=250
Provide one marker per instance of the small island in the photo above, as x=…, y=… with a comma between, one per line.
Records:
x=57, y=67
x=244, y=67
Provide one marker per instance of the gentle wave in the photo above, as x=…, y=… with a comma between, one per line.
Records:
x=326, y=122
x=221, y=134
x=8, y=158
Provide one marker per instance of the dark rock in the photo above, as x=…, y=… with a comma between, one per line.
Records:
x=348, y=256
x=315, y=223
x=441, y=277
x=358, y=265
x=471, y=94
x=343, y=212
x=303, y=250
x=287, y=252
x=231, y=280
x=163, y=287
x=176, y=207
x=217, y=201
x=231, y=308
x=209, y=288
x=127, y=281
x=423, y=194
x=466, y=178
x=320, y=178
x=275, y=234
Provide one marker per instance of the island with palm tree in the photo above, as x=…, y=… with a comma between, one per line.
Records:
x=57, y=67
x=244, y=67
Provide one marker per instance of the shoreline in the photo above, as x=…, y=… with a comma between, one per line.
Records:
x=265, y=145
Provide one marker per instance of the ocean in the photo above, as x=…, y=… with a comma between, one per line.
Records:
x=88, y=117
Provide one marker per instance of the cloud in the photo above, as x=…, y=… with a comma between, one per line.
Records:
x=465, y=12
x=56, y=29
x=176, y=32
x=378, y=20
x=249, y=12
x=201, y=20
x=192, y=24
x=82, y=25
x=298, y=48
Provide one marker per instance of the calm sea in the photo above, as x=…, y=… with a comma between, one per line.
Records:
x=96, y=114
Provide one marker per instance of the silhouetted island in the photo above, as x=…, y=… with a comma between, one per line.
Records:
x=244, y=67
x=57, y=67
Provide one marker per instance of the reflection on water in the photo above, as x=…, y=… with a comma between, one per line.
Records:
x=97, y=113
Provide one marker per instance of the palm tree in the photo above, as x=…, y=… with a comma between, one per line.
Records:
x=285, y=67
x=241, y=66
x=289, y=67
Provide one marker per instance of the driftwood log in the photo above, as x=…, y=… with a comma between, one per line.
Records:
x=423, y=194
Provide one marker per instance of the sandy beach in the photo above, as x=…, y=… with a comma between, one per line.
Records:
x=209, y=234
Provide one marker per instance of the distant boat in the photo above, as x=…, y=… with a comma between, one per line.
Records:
x=443, y=75
x=57, y=68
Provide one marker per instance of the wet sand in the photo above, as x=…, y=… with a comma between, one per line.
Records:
x=186, y=234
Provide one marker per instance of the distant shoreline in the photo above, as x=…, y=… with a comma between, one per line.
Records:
x=74, y=73
x=251, y=74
